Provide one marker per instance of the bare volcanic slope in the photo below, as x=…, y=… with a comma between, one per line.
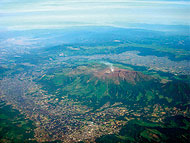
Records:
x=118, y=75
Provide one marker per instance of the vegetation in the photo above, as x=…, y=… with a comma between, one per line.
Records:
x=14, y=127
x=95, y=92
x=174, y=129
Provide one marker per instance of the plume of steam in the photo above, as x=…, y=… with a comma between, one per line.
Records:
x=110, y=65
x=112, y=68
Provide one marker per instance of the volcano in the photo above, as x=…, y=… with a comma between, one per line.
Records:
x=122, y=75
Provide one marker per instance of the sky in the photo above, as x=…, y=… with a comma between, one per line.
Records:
x=44, y=14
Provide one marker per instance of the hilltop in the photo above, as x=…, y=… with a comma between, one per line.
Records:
x=117, y=75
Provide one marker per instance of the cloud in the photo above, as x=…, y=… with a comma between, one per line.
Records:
x=58, y=13
x=19, y=41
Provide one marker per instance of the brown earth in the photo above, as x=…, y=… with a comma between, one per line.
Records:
x=122, y=75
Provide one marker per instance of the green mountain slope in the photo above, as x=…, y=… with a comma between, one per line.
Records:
x=95, y=85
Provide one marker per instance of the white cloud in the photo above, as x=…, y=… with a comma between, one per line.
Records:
x=58, y=13
x=18, y=41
